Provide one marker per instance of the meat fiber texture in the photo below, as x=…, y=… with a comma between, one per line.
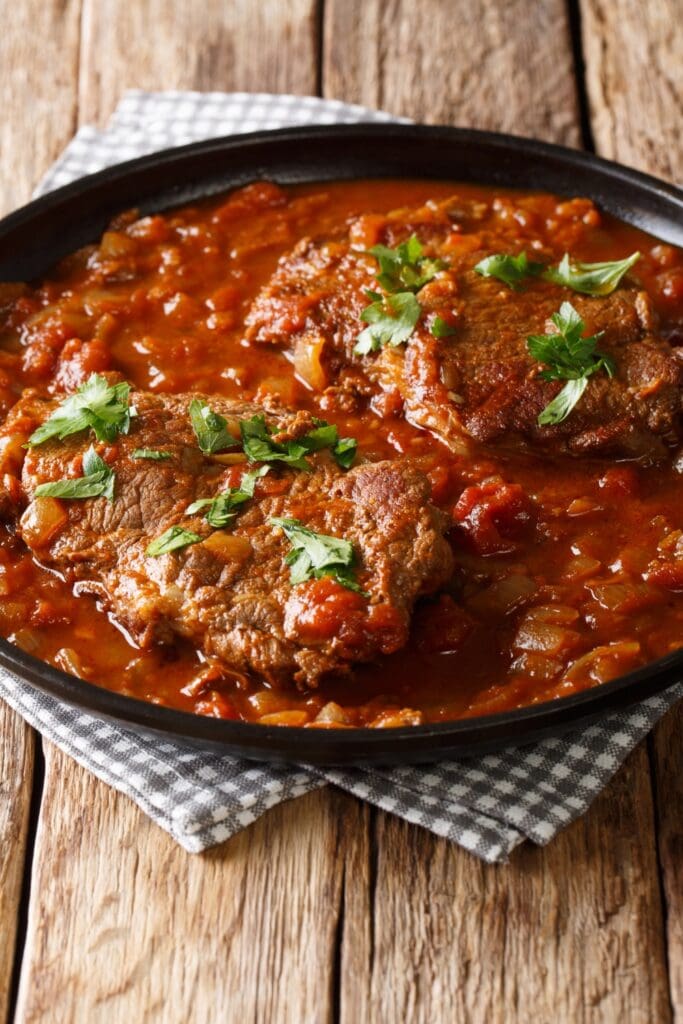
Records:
x=481, y=381
x=231, y=594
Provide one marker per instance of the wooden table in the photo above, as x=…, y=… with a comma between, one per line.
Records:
x=325, y=910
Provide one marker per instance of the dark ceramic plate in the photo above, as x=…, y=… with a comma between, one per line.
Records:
x=35, y=237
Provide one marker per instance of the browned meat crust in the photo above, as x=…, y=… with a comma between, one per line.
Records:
x=231, y=594
x=480, y=382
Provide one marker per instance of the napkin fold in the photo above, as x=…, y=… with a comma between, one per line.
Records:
x=489, y=804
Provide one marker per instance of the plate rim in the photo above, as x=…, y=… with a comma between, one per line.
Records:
x=357, y=745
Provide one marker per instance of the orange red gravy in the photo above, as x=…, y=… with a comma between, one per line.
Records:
x=569, y=572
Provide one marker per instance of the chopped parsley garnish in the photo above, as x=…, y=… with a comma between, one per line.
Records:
x=173, y=539
x=344, y=451
x=440, y=328
x=404, y=268
x=391, y=320
x=392, y=317
x=259, y=446
x=314, y=555
x=96, y=405
x=97, y=481
x=569, y=357
x=222, y=510
x=151, y=453
x=590, y=278
x=211, y=430
x=511, y=270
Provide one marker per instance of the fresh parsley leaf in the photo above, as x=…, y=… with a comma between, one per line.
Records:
x=259, y=446
x=314, y=555
x=511, y=270
x=391, y=322
x=326, y=435
x=211, y=430
x=173, y=539
x=344, y=451
x=404, y=268
x=590, y=278
x=222, y=510
x=97, y=481
x=568, y=356
x=563, y=402
x=97, y=405
x=151, y=453
x=440, y=328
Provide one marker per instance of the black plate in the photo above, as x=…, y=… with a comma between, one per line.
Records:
x=35, y=237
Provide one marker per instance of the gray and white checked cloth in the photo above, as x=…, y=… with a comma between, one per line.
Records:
x=488, y=805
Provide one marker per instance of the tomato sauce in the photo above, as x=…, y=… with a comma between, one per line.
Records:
x=569, y=572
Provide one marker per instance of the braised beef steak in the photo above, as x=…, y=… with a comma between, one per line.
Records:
x=231, y=593
x=480, y=381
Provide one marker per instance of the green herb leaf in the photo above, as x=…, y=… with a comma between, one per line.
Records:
x=392, y=320
x=590, y=278
x=259, y=446
x=97, y=481
x=222, y=510
x=314, y=555
x=344, y=451
x=210, y=428
x=173, y=539
x=563, y=402
x=440, y=328
x=568, y=356
x=404, y=268
x=97, y=405
x=511, y=270
x=151, y=453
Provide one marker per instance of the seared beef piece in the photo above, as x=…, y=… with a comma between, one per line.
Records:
x=481, y=381
x=231, y=594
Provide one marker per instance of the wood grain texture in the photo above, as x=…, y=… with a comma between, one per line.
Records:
x=16, y=771
x=634, y=79
x=127, y=927
x=505, y=66
x=571, y=934
x=38, y=67
x=241, y=45
x=634, y=76
x=668, y=759
x=39, y=45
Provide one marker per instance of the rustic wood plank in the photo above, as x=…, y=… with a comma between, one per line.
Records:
x=634, y=80
x=668, y=760
x=39, y=46
x=574, y=932
x=570, y=934
x=503, y=66
x=127, y=927
x=270, y=46
x=123, y=925
x=16, y=772
x=38, y=62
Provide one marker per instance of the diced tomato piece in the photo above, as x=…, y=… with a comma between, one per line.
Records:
x=321, y=609
x=215, y=705
x=493, y=515
x=441, y=627
x=669, y=575
x=78, y=359
x=620, y=481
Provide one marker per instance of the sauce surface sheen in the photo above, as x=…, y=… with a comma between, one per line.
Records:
x=569, y=571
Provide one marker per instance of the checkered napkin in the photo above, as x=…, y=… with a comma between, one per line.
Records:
x=488, y=805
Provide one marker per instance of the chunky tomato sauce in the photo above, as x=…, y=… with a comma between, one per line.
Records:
x=569, y=572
